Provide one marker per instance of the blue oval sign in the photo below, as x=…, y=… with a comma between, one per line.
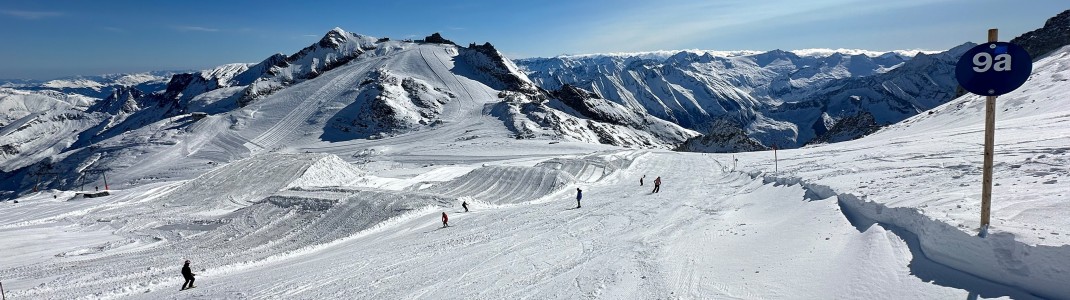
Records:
x=993, y=69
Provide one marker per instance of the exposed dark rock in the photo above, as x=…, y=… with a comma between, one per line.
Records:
x=1054, y=35
x=849, y=128
x=722, y=136
x=576, y=98
x=496, y=69
x=437, y=38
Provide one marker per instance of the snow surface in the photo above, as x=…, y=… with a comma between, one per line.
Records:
x=266, y=207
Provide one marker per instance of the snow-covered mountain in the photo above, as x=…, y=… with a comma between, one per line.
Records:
x=343, y=88
x=778, y=97
x=94, y=86
x=333, y=185
x=890, y=215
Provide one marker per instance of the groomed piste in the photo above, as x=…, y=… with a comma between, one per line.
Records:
x=278, y=200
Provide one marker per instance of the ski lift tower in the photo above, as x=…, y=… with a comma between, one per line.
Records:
x=39, y=174
x=103, y=172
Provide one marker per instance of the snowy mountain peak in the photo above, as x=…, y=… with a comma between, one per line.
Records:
x=824, y=52
x=334, y=38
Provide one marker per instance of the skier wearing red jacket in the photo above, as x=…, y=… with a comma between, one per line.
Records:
x=445, y=220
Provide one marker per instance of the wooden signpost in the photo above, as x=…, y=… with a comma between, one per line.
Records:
x=992, y=69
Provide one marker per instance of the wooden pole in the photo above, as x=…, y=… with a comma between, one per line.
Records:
x=776, y=161
x=990, y=135
x=2, y=291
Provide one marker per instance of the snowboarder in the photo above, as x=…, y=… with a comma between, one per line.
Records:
x=657, y=184
x=579, y=195
x=186, y=273
x=445, y=220
x=465, y=205
x=641, y=180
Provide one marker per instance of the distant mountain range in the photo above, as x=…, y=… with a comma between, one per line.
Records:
x=350, y=87
x=775, y=97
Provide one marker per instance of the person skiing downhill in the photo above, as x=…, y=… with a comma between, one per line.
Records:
x=445, y=220
x=641, y=180
x=465, y=205
x=579, y=195
x=657, y=184
x=188, y=275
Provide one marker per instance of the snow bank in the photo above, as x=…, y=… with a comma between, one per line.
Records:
x=330, y=170
x=244, y=182
x=999, y=257
x=924, y=175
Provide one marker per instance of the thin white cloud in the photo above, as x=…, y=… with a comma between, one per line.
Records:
x=670, y=26
x=30, y=14
x=195, y=28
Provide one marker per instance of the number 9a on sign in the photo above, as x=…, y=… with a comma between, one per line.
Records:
x=993, y=69
x=983, y=61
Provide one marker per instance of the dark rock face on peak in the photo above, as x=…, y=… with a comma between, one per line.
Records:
x=437, y=39
x=722, y=135
x=1054, y=34
x=123, y=99
x=495, y=70
x=333, y=39
x=849, y=128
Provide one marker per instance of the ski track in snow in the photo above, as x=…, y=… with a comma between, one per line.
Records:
x=882, y=217
x=701, y=236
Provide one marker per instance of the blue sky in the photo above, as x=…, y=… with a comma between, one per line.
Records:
x=46, y=39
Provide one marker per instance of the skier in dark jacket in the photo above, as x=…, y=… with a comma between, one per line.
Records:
x=445, y=220
x=465, y=205
x=579, y=195
x=186, y=273
x=657, y=184
x=641, y=180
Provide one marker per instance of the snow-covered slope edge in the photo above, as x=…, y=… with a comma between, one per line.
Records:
x=923, y=161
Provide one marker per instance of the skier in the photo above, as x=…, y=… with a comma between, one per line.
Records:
x=657, y=184
x=186, y=273
x=465, y=205
x=445, y=220
x=641, y=180
x=579, y=195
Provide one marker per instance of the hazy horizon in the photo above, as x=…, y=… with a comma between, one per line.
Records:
x=134, y=36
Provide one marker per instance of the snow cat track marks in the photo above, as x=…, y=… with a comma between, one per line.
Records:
x=305, y=108
x=454, y=75
x=503, y=184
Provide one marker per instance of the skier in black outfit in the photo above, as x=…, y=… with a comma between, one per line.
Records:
x=186, y=273
x=579, y=195
x=465, y=205
x=641, y=180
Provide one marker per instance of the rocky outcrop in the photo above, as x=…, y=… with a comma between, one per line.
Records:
x=848, y=128
x=1054, y=34
x=437, y=38
x=722, y=136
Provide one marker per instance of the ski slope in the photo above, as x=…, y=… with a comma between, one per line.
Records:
x=266, y=209
x=701, y=236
